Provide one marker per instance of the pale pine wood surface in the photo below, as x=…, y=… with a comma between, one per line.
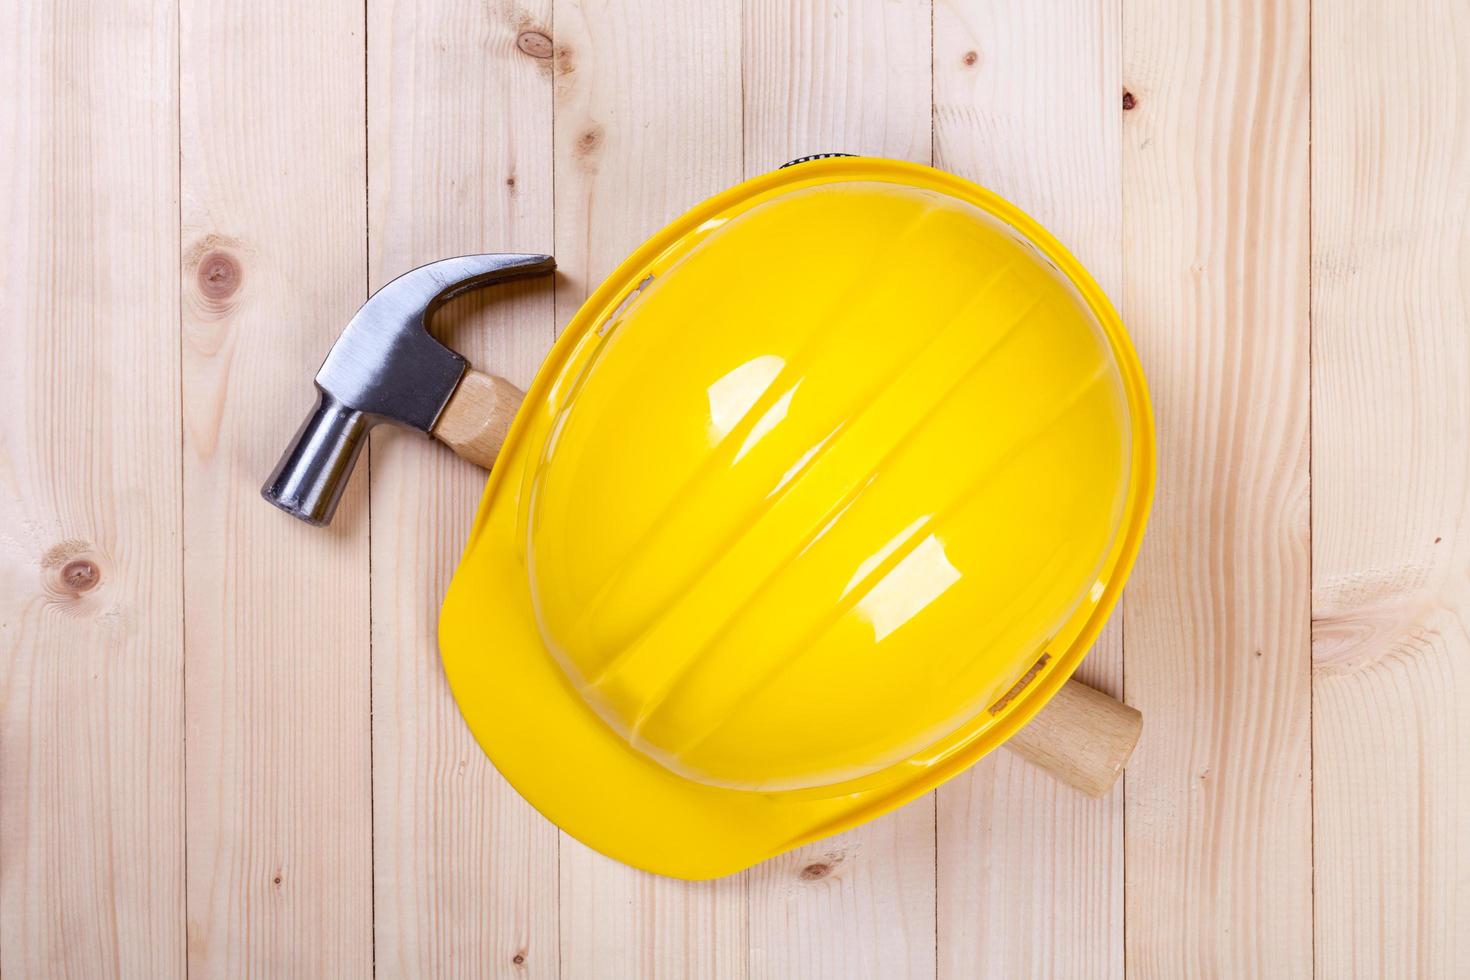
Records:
x=276, y=627
x=91, y=584
x=1216, y=200
x=1390, y=595
x=226, y=746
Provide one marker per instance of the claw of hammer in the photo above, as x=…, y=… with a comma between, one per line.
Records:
x=384, y=368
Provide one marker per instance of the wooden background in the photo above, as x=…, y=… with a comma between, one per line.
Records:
x=226, y=746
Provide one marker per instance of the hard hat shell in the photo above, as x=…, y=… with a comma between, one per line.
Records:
x=817, y=500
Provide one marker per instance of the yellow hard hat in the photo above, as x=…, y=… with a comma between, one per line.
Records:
x=817, y=500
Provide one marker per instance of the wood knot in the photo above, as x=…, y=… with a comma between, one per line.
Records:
x=563, y=60
x=971, y=59
x=534, y=43
x=70, y=570
x=589, y=142
x=1375, y=615
x=80, y=575
x=587, y=147
x=1128, y=100
x=815, y=872
x=518, y=959
x=219, y=275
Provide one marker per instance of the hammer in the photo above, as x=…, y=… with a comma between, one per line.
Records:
x=386, y=368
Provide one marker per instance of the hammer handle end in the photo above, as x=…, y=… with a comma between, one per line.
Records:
x=477, y=416
x=1082, y=737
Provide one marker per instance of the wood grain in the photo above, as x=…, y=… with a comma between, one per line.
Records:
x=91, y=642
x=1027, y=102
x=823, y=76
x=617, y=922
x=465, y=879
x=647, y=125
x=1215, y=191
x=859, y=905
x=276, y=612
x=1390, y=472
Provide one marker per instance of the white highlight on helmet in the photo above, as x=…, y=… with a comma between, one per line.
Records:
x=734, y=395
x=919, y=578
x=767, y=422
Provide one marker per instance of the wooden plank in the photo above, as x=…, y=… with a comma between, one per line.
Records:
x=647, y=110
x=91, y=644
x=617, y=922
x=465, y=878
x=860, y=904
x=1027, y=102
x=1215, y=180
x=825, y=76
x=277, y=621
x=1391, y=403
x=647, y=126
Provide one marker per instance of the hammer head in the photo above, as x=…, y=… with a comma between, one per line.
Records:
x=384, y=368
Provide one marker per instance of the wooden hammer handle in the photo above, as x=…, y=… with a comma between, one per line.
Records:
x=477, y=416
x=1082, y=736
